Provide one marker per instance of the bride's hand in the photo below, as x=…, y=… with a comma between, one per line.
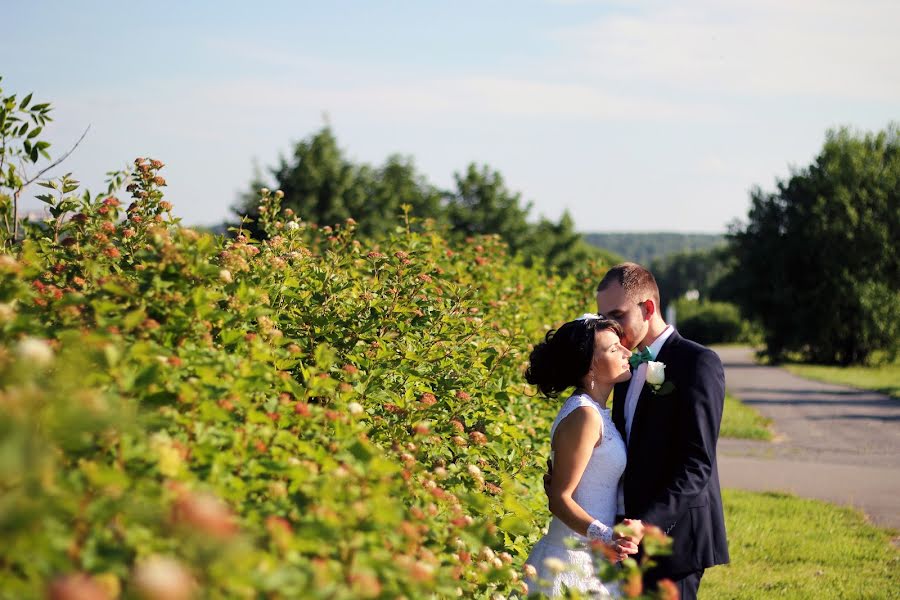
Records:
x=624, y=548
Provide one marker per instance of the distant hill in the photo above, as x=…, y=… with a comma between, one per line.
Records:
x=643, y=248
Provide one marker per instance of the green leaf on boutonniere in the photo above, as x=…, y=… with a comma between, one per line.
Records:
x=667, y=387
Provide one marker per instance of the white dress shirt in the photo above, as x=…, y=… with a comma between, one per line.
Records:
x=635, y=386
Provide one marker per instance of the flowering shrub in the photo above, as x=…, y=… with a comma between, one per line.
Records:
x=310, y=416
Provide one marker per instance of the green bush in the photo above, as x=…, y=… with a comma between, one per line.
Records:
x=713, y=322
x=316, y=415
x=308, y=416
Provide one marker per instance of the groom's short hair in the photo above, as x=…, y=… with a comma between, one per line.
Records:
x=637, y=281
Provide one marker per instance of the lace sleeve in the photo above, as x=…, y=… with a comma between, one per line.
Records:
x=599, y=531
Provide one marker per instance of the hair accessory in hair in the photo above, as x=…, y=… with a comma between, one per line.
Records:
x=589, y=316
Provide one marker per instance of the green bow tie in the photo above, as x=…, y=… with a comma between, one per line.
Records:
x=640, y=357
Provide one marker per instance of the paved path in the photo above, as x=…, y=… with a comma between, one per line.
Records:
x=832, y=442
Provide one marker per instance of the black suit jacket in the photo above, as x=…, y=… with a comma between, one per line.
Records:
x=671, y=479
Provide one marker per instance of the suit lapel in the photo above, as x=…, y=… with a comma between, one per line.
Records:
x=646, y=397
x=664, y=352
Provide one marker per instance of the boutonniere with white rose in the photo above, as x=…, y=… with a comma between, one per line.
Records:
x=656, y=378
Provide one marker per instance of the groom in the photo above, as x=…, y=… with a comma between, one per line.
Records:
x=671, y=479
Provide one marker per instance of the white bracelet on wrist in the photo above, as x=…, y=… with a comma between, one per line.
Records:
x=598, y=531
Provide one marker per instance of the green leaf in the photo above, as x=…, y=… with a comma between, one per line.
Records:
x=115, y=288
x=362, y=452
x=666, y=388
x=104, y=307
x=380, y=466
x=147, y=376
x=516, y=525
x=134, y=318
x=227, y=336
x=25, y=102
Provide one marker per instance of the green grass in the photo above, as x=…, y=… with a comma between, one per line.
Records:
x=884, y=379
x=742, y=421
x=789, y=548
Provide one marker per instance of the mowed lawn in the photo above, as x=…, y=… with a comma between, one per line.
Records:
x=787, y=547
x=884, y=379
x=742, y=421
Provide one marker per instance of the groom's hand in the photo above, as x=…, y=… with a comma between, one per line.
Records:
x=634, y=533
x=548, y=476
x=637, y=528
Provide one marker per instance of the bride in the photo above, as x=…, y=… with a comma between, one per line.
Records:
x=587, y=453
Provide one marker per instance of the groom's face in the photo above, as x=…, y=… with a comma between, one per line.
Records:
x=614, y=303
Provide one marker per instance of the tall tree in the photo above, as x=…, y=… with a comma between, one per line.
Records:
x=324, y=187
x=559, y=246
x=394, y=184
x=319, y=183
x=483, y=204
x=817, y=260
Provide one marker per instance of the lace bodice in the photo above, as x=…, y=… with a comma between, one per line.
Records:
x=598, y=488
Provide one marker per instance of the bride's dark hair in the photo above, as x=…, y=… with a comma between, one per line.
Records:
x=564, y=357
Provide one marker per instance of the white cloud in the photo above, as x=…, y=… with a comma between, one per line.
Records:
x=461, y=97
x=409, y=97
x=396, y=92
x=770, y=48
x=532, y=98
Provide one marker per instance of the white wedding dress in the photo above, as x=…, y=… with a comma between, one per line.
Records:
x=597, y=494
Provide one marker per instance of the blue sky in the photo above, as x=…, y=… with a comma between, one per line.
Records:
x=634, y=116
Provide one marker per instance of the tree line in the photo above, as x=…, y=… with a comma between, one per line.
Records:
x=322, y=186
x=645, y=248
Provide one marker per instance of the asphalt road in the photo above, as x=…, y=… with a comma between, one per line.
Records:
x=832, y=442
